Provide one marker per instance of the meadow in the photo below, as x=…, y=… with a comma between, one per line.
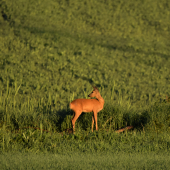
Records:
x=52, y=52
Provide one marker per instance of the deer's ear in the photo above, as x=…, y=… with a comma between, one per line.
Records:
x=95, y=88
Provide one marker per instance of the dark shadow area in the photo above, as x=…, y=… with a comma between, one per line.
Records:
x=86, y=120
x=55, y=117
x=4, y=16
x=62, y=115
x=3, y=10
x=1, y=116
x=5, y=13
x=1, y=79
x=140, y=120
x=116, y=118
x=41, y=115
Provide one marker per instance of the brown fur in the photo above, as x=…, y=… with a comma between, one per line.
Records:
x=87, y=105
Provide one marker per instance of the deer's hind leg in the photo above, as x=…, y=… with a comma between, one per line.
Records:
x=76, y=115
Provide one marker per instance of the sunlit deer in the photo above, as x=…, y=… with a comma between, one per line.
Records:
x=87, y=105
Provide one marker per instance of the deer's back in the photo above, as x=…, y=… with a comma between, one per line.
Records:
x=86, y=105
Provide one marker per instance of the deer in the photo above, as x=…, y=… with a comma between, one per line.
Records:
x=87, y=105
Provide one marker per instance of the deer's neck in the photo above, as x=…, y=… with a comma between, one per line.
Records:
x=100, y=99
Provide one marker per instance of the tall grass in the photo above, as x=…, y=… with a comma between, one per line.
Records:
x=37, y=125
x=52, y=52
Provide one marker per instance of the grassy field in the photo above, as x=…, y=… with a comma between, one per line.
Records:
x=52, y=52
x=84, y=161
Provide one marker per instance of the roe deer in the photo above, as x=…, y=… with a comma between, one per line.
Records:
x=87, y=105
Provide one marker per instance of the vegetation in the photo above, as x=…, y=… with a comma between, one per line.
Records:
x=52, y=52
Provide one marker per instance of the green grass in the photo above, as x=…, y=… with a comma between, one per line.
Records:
x=53, y=52
x=85, y=161
x=126, y=51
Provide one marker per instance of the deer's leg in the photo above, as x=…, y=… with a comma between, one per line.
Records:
x=76, y=115
x=95, y=117
x=92, y=123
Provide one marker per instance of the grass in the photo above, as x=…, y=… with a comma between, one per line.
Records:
x=52, y=53
x=83, y=161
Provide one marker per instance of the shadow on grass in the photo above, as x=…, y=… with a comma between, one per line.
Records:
x=138, y=121
x=116, y=118
x=141, y=120
x=111, y=116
